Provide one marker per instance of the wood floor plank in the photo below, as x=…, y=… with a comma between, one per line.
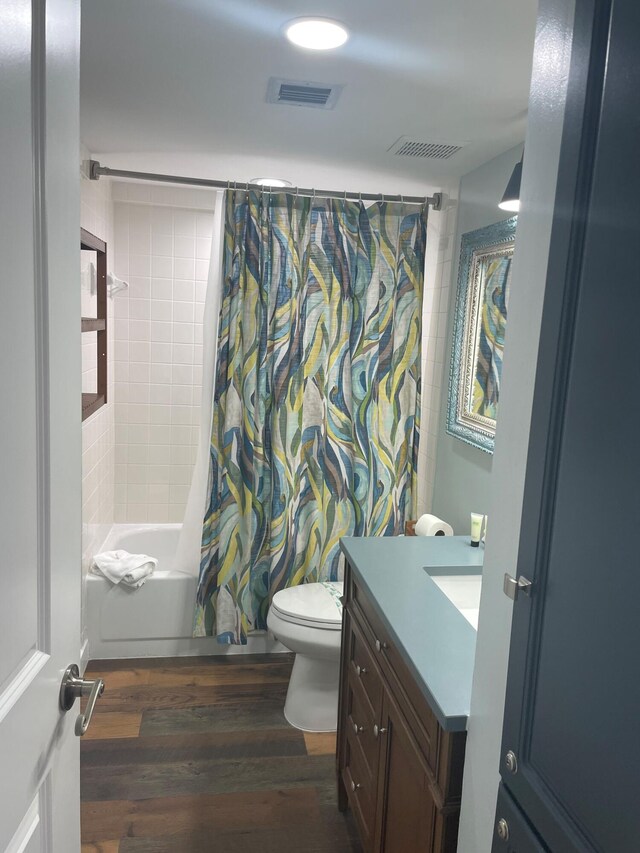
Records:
x=309, y=838
x=206, y=661
x=268, y=714
x=142, y=697
x=112, y=846
x=334, y=832
x=258, y=672
x=162, y=817
x=197, y=776
x=200, y=676
x=183, y=747
x=113, y=724
x=320, y=743
x=120, y=677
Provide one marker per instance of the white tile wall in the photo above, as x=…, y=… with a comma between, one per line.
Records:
x=98, y=432
x=162, y=250
x=441, y=231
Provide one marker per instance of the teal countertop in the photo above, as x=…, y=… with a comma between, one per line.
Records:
x=437, y=641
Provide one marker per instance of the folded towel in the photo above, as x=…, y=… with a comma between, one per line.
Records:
x=123, y=567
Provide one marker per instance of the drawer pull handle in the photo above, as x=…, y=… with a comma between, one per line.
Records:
x=355, y=786
x=380, y=646
x=378, y=730
x=357, y=729
x=360, y=670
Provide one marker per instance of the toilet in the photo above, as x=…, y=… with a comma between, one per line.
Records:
x=308, y=620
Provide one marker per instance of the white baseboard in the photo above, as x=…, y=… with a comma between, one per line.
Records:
x=258, y=643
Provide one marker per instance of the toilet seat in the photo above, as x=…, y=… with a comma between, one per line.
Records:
x=312, y=604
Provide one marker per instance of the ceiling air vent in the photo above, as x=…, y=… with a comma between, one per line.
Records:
x=296, y=93
x=404, y=147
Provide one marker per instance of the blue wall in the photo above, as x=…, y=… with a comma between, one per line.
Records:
x=463, y=473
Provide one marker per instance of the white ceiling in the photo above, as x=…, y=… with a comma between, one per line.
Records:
x=180, y=86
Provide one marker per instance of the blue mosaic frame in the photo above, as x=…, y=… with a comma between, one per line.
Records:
x=498, y=235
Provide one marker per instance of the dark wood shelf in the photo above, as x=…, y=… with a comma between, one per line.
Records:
x=98, y=324
x=93, y=324
x=91, y=403
x=91, y=242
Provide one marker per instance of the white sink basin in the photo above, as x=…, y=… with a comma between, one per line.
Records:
x=463, y=591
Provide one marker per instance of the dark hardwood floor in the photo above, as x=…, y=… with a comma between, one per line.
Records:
x=193, y=754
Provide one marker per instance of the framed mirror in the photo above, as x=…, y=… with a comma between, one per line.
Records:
x=480, y=320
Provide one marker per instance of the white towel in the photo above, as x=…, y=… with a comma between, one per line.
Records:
x=123, y=567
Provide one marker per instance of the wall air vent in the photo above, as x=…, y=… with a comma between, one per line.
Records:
x=297, y=93
x=404, y=147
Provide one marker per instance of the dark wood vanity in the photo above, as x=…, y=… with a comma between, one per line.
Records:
x=399, y=770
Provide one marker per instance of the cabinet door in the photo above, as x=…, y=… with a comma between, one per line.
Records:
x=405, y=810
x=361, y=791
x=513, y=833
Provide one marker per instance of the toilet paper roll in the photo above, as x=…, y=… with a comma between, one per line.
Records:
x=431, y=525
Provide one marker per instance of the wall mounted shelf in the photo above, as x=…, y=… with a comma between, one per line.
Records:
x=91, y=402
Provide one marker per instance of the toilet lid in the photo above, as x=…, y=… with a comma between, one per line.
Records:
x=317, y=604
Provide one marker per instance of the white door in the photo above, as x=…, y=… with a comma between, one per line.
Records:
x=40, y=454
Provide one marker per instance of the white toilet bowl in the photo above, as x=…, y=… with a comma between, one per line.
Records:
x=308, y=620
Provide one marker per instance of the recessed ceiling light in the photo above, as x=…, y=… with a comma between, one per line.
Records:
x=270, y=182
x=316, y=33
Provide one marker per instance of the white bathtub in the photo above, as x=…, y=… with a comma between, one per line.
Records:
x=155, y=620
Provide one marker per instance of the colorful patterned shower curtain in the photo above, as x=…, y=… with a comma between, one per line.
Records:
x=317, y=396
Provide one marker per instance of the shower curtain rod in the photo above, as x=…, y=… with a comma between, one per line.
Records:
x=96, y=170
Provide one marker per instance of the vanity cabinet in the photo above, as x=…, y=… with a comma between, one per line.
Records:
x=398, y=770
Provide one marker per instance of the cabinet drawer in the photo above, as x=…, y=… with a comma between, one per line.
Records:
x=380, y=639
x=362, y=722
x=361, y=791
x=363, y=668
x=415, y=707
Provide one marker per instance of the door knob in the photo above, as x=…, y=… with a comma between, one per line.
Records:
x=358, y=729
x=502, y=828
x=73, y=687
x=512, y=587
x=378, y=730
x=360, y=670
x=511, y=762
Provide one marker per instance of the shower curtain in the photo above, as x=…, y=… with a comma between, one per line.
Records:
x=315, y=424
